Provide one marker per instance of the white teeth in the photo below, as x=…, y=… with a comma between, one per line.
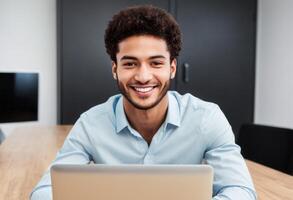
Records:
x=146, y=89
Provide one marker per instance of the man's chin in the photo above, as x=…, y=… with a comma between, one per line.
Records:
x=143, y=106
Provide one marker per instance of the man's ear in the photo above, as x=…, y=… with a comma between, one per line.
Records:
x=173, y=68
x=114, y=70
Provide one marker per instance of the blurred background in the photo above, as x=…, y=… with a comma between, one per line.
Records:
x=237, y=54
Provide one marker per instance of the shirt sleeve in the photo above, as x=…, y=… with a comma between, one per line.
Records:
x=231, y=176
x=75, y=150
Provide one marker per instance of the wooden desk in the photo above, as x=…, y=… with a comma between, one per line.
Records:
x=24, y=156
x=27, y=152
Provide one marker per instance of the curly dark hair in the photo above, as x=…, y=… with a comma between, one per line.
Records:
x=142, y=20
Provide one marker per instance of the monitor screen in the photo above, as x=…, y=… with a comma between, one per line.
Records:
x=18, y=97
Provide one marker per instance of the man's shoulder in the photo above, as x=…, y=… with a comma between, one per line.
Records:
x=191, y=102
x=107, y=108
x=208, y=115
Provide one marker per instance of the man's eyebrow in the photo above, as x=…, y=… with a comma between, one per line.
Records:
x=128, y=58
x=157, y=56
x=134, y=58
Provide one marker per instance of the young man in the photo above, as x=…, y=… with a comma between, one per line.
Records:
x=147, y=124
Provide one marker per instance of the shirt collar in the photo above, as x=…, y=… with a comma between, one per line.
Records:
x=121, y=120
x=173, y=113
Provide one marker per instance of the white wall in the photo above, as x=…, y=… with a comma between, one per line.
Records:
x=274, y=67
x=28, y=43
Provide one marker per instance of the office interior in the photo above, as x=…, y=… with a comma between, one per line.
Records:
x=33, y=32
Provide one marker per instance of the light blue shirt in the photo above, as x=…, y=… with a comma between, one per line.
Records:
x=194, y=132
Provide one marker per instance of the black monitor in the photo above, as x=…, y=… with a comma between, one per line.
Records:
x=18, y=97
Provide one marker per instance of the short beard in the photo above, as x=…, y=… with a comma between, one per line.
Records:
x=161, y=96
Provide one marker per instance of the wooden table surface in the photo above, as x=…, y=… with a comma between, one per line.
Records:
x=27, y=152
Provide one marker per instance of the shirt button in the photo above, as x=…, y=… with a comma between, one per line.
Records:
x=143, y=145
x=148, y=159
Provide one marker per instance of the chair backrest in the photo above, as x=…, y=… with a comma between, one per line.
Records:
x=270, y=146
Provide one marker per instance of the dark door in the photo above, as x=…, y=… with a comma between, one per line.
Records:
x=217, y=61
x=84, y=70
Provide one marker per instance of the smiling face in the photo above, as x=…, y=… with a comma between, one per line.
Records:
x=143, y=70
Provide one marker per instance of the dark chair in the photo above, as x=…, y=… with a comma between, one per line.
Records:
x=270, y=146
x=2, y=136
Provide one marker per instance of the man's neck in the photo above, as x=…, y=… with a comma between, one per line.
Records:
x=146, y=122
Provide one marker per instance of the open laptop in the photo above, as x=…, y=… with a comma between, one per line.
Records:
x=132, y=182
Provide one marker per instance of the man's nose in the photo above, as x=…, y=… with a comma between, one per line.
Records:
x=143, y=74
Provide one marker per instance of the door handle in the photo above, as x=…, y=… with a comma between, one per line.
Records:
x=186, y=72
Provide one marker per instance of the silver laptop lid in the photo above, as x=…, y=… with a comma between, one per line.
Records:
x=132, y=182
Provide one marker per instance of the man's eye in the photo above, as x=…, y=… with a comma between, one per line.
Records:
x=129, y=64
x=156, y=64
